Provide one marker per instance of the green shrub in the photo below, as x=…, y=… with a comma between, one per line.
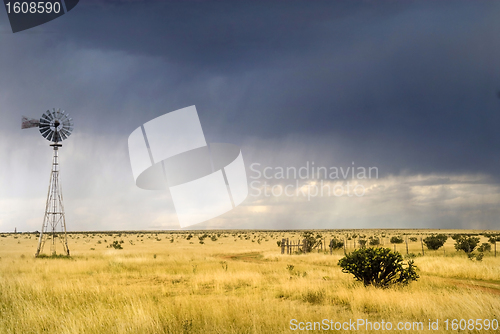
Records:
x=474, y=256
x=493, y=239
x=466, y=243
x=379, y=267
x=374, y=241
x=336, y=244
x=310, y=242
x=397, y=240
x=485, y=247
x=413, y=239
x=435, y=242
x=115, y=245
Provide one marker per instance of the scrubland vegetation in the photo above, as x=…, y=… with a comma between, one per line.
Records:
x=234, y=282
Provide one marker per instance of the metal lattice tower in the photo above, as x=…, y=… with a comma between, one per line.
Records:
x=55, y=126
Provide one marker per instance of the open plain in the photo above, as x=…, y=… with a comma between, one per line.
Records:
x=232, y=282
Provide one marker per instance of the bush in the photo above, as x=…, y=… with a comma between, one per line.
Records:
x=116, y=245
x=374, y=241
x=485, y=247
x=397, y=240
x=435, y=242
x=310, y=241
x=379, y=267
x=493, y=239
x=413, y=239
x=466, y=243
x=474, y=256
x=362, y=243
x=336, y=244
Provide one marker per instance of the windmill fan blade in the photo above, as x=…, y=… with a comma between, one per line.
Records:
x=27, y=123
x=46, y=135
x=48, y=115
x=64, y=133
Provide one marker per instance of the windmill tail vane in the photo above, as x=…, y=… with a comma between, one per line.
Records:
x=29, y=123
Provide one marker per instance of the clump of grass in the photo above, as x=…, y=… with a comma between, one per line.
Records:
x=53, y=256
x=314, y=297
x=224, y=265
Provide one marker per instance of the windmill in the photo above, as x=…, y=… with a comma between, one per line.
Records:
x=55, y=126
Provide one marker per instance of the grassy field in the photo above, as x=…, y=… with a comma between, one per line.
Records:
x=235, y=282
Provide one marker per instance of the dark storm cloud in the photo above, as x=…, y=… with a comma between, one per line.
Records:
x=411, y=85
x=219, y=35
x=405, y=86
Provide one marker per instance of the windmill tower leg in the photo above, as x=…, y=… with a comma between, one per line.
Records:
x=54, y=212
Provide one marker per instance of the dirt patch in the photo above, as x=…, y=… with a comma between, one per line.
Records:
x=486, y=286
x=246, y=257
x=477, y=285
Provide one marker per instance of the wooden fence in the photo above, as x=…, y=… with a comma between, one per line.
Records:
x=292, y=246
x=298, y=246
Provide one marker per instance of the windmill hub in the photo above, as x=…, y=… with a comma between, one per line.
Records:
x=55, y=126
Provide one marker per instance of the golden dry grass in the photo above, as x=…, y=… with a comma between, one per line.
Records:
x=238, y=283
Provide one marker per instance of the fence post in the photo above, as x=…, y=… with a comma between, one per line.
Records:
x=406, y=239
x=287, y=246
x=495, y=248
x=283, y=246
x=422, y=244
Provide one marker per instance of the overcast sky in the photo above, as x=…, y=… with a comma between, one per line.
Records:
x=408, y=87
